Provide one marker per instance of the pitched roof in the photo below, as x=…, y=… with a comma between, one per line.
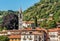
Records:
x=14, y=36
x=37, y=33
x=54, y=29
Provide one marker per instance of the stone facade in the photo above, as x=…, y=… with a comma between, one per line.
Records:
x=20, y=19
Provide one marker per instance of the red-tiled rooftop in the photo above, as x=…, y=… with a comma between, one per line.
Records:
x=36, y=33
x=54, y=29
x=14, y=36
x=28, y=28
x=38, y=28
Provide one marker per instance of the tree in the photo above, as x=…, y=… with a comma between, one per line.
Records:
x=51, y=24
x=10, y=21
x=4, y=38
x=4, y=28
x=35, y=21
x=42, y=9
x=57, y=16
x=43, y=23
x=1, y=27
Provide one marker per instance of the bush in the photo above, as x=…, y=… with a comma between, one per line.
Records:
x=4, y=38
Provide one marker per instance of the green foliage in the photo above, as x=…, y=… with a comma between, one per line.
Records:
x=4, y=38
x=4, y=13
x=35, y=20
x=7, y=15
x=4, y=28
x=48, y=24
x=43, y=23
x=1, y=28
x=10, y=22
x=42, y=10
x=51, y=24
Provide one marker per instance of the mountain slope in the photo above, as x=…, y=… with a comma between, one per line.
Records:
x=46, y=11
x=43, y=9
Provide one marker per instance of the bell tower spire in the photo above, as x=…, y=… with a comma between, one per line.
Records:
x=20, y=19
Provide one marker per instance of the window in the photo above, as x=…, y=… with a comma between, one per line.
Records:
x=30, y=38
x=27, y=36
x=30, y=32
x=53, y=36
x=39, y=38
x=24, y=38
x=36, y=38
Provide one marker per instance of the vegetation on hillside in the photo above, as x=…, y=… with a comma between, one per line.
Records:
x=44, y=10
x=10, y=21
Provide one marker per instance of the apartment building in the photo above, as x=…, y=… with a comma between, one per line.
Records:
x=30, y=34
x=54, y=34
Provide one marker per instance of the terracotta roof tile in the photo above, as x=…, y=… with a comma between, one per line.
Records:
x=36, y=33
x=54, y=29
x=14, y=36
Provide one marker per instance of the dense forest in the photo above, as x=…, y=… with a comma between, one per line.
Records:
x=42, y=11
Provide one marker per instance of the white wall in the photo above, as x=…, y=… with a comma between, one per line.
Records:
x=53, y=36
x=27, y=39
x=59, y=38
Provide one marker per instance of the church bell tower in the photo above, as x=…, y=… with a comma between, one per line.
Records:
x=20, y=19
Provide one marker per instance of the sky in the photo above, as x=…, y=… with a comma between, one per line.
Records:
x=16, y=4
